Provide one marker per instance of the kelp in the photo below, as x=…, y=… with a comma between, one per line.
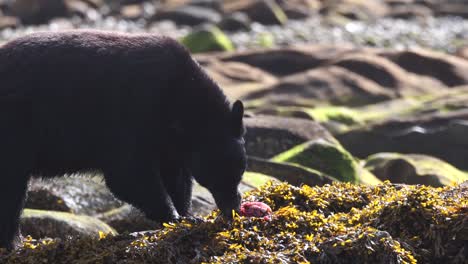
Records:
x=337, y=223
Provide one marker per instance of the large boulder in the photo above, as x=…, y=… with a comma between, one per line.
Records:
x=291, y=173
x=237, y=79
x=414, y=169
x=449, y=70
x=40, y=224
x=331, y=84
x=297, y=59
x=268, y=136
x=86, y=195
x=330, y=159
x=442, y=135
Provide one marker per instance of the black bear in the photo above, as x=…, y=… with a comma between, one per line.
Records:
x=136, y=107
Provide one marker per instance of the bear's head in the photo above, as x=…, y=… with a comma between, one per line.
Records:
x=219, y=163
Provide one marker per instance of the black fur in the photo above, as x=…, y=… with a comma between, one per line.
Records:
x=136, y=107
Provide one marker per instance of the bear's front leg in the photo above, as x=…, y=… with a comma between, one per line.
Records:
x=144, y=189
x=178, y=183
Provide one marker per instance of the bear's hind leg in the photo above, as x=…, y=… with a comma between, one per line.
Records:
x=178, y=183
x=143, y=189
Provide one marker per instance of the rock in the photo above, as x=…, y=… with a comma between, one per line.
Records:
x=189, y=15
x=462, y=52
x=331, y=159
x=207, y=38
x=211, y=4
x=268, y=136
x=297, y=59
x=127, y=219
x=235, y=22
x=132, y=12
x=293, y=174
x=45, y=200
x=263, y=11
x=451, y=9
x=448, y=69
x=40, y=224
x=414, y=169
x=387, y=74
x=238, y=79
x=78, y=195
x=37, y=11
x=410, y=11
x=442, y=135
x=299, y=9
x=8, y=22
x=330, y=84
x=355, y=10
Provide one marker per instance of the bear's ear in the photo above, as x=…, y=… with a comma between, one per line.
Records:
x=237, y=114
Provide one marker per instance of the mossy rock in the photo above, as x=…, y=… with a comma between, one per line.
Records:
x=207, y=38
x=41, y=223
x=331, y=159
x=414, y=169
x=256, y=179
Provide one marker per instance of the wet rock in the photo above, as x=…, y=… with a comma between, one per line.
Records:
x=299, y=9
x=127, y=219
x=451, y=9
x=237, y=79
x=324, y=84
x=235, y=22
x=132, y=11
x=298, y=59
x=8, y=22
x=414, y=169
x=388, y=74
x=45, y=200
x=207, y=38
x=40, y=224
x=291, y=173
x=211, y=4
x=267, y=12
x=462, y=52
x=328, y=158
x=355, y=10
x=268, y=136
x=448, y=69
x=410, y=11
x=189, y=15
x=78, y=195
x=442, y=135
x=37, y=11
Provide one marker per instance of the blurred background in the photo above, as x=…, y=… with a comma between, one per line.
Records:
x=360, y=91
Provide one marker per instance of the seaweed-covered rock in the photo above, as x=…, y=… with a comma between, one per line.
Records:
x=328, y=158
x=207, y=38
x=414, y=169
x=338, y=223
x=40, y=224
